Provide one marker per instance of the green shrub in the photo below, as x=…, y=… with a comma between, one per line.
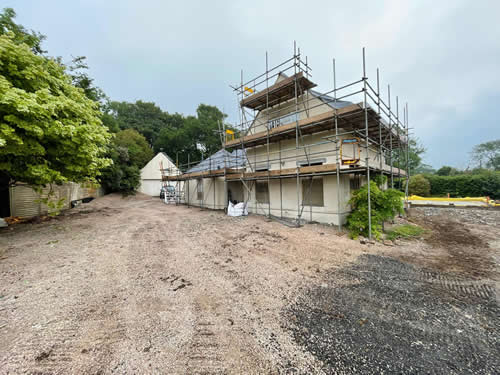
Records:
x=485, y=183
x=419, y=185
x=405, y=231
x=384, y=206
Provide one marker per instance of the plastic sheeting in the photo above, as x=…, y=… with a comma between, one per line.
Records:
x=238, y=209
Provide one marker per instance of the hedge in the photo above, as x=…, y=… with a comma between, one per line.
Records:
x=485, y=184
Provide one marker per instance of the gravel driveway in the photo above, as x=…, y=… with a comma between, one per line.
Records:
x=135, y=286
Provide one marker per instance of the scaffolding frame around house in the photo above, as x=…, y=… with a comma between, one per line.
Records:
x=372, y=121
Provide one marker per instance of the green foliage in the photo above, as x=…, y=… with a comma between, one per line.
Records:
x=484, y=183
x=487, y=154
x=380, y=180
x=424, y=168
x=129, y=152
x=139, y=152
x=415, y=152
x=145, y=117
x=419, y=185
x=384, y=206
x=50, y=132
x=80, y=78
x=405, y=231
x=18, y=33
x=447, y=171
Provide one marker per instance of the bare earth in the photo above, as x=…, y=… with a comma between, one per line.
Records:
x=135, y=286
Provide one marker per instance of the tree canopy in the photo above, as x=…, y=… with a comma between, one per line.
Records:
x=19, y=34
x=130, y=152
x=50, y=132
x=487, y=155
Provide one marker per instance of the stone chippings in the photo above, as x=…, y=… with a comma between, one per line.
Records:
x=380, y=315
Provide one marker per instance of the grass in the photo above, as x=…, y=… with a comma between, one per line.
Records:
x=405, y=231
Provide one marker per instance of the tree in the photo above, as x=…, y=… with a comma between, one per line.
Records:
x=18, y=33
x=415, y=152
x=138, y=149
x=145, y=117
x=121, y=176
x=419, y=185
x=487, y=153
x=130, y=152
x=447, y=171
x=424, y=168
x=50, y=132
x=80, y=78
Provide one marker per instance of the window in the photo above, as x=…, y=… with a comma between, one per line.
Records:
x=312, y=192
x=262, y=192
x=355, y=182
x=199, y=188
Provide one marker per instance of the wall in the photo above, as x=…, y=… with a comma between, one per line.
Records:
x=25, y=202
x=210, y=200
x=151, y=176
x=284, y=200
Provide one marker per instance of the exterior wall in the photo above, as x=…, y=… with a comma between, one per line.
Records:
x=25, y=202
x=151, y=177
x=284, y=202
x=213, y=193
x=151, y=187
x=257, y=156
x=318, y=149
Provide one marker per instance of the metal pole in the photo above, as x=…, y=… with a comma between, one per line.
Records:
x=225, y=167
x=407, y=151
x=296, y=131
x=267, y=141
x=397, y=131
x=367, y=145
x=379, y=122
x=337, y=143
x=281, y=182
x=390, y=133
x=187, y=180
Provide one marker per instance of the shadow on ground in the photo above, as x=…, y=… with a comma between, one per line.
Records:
x=381, y=315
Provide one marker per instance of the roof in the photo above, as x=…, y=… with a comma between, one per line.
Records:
x=168, y=157
x=221, y=159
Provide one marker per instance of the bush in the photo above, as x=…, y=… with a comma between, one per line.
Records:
x=405, y=231
x=419, y=185
x=483, y=184
x=384, y=206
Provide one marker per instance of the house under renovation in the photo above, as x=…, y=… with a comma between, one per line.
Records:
x=302, y=152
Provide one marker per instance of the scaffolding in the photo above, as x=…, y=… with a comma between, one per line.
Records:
x=280, y=111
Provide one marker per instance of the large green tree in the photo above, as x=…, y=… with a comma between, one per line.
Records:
x=145, y=117
x=130, y=152
x=487, y=155
x=19, y=34
x=50, y=132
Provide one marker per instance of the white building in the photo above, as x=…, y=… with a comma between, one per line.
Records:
x=151, y=175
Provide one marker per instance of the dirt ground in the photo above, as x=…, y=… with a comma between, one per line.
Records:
x=130, y=285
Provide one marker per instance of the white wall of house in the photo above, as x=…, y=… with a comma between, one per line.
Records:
x=151, y=181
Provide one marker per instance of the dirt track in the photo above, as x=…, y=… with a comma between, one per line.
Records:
x=135, y=286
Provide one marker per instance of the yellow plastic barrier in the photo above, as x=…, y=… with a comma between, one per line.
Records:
x=466, y=199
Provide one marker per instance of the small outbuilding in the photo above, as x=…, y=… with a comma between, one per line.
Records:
x=151, y=174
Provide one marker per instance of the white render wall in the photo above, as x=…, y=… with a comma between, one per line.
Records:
x=151, y=177
x=283, y=204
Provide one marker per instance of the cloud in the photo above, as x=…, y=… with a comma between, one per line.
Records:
x=441, y=57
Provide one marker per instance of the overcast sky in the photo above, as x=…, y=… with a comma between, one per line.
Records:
x=443, y=57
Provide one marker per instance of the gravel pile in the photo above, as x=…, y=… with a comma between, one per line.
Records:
x=462, y=215
x=384, y=316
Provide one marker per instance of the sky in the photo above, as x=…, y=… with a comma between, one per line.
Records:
x=442, y=57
